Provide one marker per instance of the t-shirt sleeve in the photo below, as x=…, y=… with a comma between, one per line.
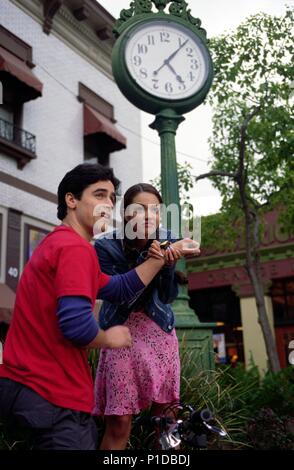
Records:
x=103, y=280
x=75, y=271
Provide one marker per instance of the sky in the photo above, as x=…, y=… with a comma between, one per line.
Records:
x=217, y=16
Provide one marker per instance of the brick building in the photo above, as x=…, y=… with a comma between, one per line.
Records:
x=59, y=107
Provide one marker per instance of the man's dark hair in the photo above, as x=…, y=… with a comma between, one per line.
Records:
x=78, y=179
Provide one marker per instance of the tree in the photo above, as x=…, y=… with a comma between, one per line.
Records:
x=185, y=179
x=252, y=140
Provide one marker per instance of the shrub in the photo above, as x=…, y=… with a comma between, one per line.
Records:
x=277, y=392
x=268, y=431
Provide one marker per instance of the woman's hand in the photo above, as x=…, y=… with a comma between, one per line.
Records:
x=175, y=251
x=187, y=247
x=171, y=255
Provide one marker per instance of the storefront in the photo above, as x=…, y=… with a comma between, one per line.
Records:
x=221, y=292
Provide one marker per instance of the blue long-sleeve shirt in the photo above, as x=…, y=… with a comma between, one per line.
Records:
x=75, y=316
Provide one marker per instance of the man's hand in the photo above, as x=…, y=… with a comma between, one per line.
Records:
x=115, y=337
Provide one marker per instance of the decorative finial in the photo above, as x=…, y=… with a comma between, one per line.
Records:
x=160, y=4
x=177, y=8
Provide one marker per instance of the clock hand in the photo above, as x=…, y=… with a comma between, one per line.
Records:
x=161, y=67
x=166, y=61
x=178, y=77
x=175, y=52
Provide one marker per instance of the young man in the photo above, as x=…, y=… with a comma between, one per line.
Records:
x=45, y=381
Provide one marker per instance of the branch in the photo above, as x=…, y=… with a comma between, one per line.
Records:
x=216, y=173
x=256, y=204
x=250, y=116
x=241, y=180
x=243, y=133
x=235, y=175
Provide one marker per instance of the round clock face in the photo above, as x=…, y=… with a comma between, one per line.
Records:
x=166, y=60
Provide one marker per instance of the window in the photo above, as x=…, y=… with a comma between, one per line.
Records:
x=1, y=236
x=7, y=114
x=282, y=293
x=33, y=236
x=10, y=122
x=222, y=306
x=18, y=85
x=32, y=233
x=96, y=150
x=3, y=232
x=101, y=137
x=218, y=304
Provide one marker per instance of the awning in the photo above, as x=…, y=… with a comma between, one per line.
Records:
x=18, y=71
x=7, y=298
x=96, y=123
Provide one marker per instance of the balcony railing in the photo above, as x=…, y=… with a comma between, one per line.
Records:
x=17, y=136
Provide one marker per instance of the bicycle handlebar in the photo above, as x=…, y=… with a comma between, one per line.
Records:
x=192, y=429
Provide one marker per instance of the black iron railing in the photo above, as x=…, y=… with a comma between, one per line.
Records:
x=17, y=136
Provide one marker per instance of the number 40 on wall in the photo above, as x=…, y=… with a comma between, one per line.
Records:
x=13, y=272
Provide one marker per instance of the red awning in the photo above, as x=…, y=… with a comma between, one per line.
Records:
x=7, y=298
x=96, y=123
x=18, y=69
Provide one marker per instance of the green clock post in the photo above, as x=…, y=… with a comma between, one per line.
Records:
x=161, y=63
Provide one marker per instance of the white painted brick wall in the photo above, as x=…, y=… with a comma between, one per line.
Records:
x=29, y=204
x=57, y=117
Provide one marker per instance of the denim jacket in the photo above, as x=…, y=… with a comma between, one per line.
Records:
x=112, y=260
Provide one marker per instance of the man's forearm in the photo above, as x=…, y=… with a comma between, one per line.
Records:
x=99, y=341
x=122, y=288
x=115, y=337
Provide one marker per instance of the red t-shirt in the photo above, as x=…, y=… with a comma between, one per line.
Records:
x=36, y=353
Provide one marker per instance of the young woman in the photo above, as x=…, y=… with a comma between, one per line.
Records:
x=130, y=380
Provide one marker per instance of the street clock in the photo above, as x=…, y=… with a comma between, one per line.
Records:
x=162, y=62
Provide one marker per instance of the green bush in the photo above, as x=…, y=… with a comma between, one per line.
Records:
x=277, y=392
x=268, y=431
x=257, y=412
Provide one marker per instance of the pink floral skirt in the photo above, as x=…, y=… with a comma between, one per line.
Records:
x=128, y=380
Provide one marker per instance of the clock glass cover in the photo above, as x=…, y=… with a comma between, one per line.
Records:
x=167, y=60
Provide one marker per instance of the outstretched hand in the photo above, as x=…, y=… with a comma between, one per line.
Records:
x=187, y=247
x=175, y=251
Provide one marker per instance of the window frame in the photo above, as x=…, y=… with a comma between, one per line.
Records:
x=3, y=243
x=14, y=148
x=90, y=98
x=287, y=318
x=28, y=223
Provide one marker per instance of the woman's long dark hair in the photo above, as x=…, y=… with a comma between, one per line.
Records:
x=132, y=192
x=131, y=257
x=128, y=199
